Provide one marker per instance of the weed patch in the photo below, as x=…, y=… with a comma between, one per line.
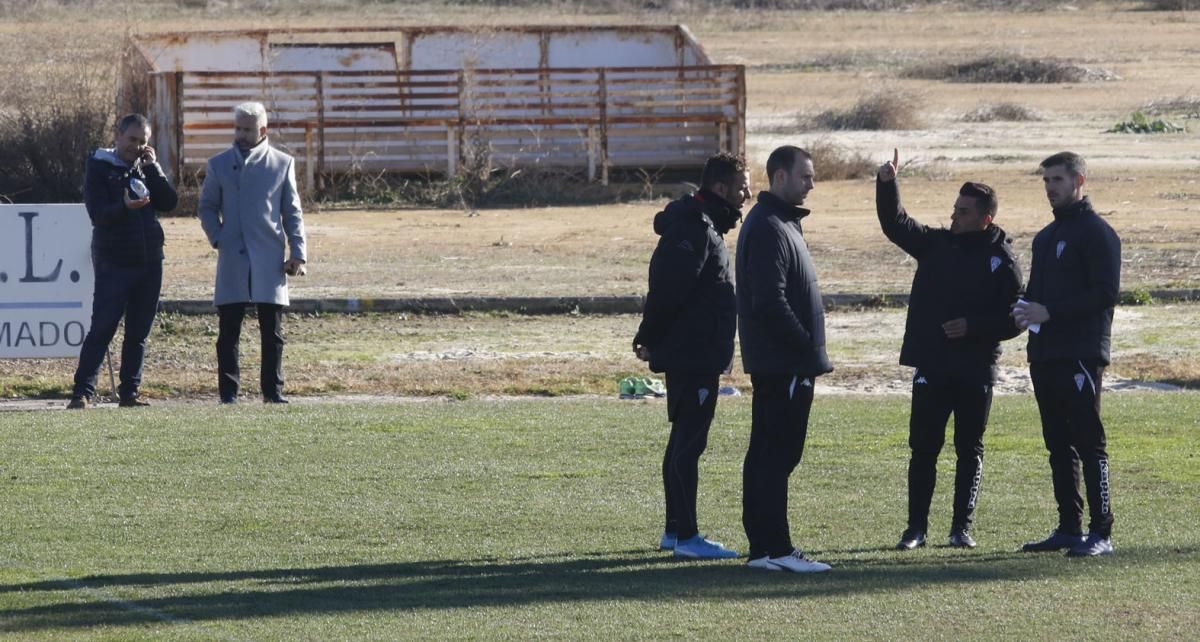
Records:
x=1140, y=123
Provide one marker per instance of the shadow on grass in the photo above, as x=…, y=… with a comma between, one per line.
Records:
x=455, y=584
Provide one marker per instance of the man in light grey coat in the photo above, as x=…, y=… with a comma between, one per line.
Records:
x=250, y=211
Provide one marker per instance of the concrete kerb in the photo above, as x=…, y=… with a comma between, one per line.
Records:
x=573, y=305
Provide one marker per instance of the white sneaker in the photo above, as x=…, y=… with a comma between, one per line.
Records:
x=763, y=563
x=796, y=562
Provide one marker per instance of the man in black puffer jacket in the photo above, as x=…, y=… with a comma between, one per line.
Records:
x=687, y=332
x=123, y=190
x=1073, y=287
x=781, y=325
x=966, y=282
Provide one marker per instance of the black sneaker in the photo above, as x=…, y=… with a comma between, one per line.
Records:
x=1056, y=541
x=1092, y=546
x=961, y=538
x=132, y=402
x=79, y=402
x=910, y=539
x=275, y=399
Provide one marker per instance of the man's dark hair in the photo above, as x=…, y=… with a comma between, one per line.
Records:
x=722, y=169
x=985, y=197
x=784, y=158
x=1074, y=163
x=132, y=119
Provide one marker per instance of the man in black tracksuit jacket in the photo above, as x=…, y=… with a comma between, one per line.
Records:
x=966, y=282
x=127, y=253
x=687, y=332
x=781, y=324
x=1068, y=308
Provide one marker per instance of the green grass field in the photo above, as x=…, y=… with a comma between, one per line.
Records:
x=536, y=518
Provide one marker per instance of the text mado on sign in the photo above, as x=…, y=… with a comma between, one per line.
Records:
x=46, y=280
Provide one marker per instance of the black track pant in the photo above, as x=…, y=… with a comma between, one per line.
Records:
x=779, y=425
x=934, y=399
x=270, y=327
x=1068, y=396
x=691, y=403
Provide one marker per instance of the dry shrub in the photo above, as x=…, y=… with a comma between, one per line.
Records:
x=1188, y=106
x=833, y=161
x=791, y=5
x=1008, y=112
x=1170, y=5
x=885, y=109
x=1008, y=68
x=55, y=109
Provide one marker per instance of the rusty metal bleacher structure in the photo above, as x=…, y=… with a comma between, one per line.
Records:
x=420, y=100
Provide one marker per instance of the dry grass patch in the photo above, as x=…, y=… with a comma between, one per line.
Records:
x=1007, y=112
x=836, y=162
x=1170, y=5
x=1187, y=106
x=884, y=109
x=832, y=161
x=1008, y=68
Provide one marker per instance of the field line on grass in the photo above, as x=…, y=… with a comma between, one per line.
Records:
x=128, y=605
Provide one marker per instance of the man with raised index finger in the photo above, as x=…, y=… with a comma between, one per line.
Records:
x=781, y=327
x=966, y=281
x=1068, y=309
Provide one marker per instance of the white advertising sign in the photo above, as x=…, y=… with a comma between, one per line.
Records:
x=45, y=280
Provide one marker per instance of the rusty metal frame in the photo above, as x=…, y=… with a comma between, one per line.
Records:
x=599, y=99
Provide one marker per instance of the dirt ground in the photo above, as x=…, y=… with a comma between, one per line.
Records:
x=798, y=64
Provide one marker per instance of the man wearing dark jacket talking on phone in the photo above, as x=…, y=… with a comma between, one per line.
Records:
x=958, y=313
x=687, y=332
x=124, y=189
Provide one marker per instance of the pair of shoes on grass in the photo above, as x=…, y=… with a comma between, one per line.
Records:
x=795, y=562
x=83, y=402
x=1076, y=545
x=638, y=387
x=912, y=538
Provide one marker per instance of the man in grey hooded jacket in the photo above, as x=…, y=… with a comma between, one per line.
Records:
x=250, y=211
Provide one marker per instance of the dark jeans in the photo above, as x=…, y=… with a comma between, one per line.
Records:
x=131, y=292
x=778, y=427
x=1068, y=396
x=934, y=398
x=691, y=403
x=270, y=328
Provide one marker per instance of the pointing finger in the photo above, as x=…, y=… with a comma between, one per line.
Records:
x=896, y=157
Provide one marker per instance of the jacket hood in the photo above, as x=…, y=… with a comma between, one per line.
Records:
x=719, y=212
x=992, y=235
x=109, y=155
